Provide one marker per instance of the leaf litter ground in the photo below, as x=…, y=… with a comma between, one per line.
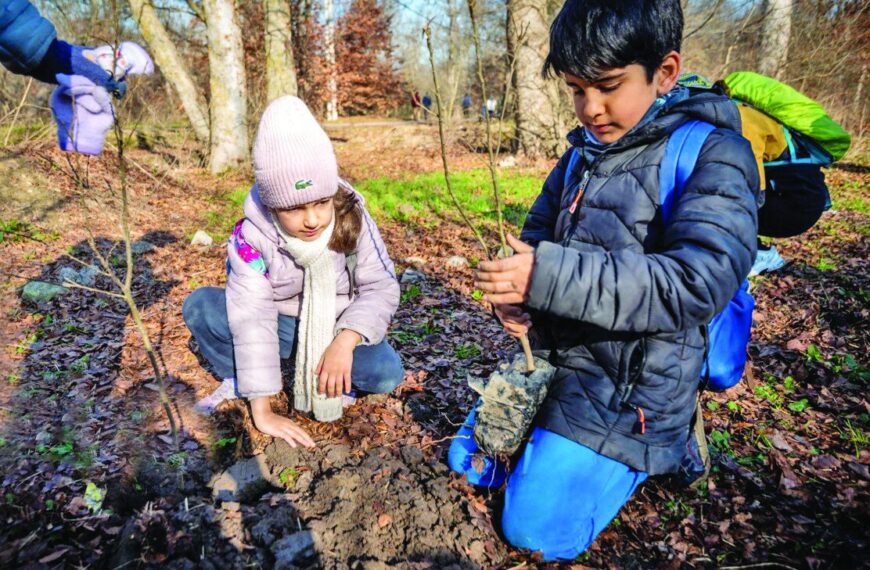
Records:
x=90, y=476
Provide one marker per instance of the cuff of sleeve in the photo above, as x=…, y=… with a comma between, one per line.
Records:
x=254, y=395
x=368, y=336
x=548, y=256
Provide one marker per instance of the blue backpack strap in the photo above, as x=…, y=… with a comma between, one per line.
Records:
x=681, y=154
x=570, y=168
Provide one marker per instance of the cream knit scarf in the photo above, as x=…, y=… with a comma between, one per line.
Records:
x=316, y=321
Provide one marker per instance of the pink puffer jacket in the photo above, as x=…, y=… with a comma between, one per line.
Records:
x=263, y=282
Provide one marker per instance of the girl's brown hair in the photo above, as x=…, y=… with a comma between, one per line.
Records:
x=348, y=222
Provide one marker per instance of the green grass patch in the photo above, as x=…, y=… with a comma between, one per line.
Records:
x=424, y=198
x=226, y=211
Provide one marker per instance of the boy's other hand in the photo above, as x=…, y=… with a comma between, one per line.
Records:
x=515, y=321
x=272, y=424
x=333, y=370
x=506, y=281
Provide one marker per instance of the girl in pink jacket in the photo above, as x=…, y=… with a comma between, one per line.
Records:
x=308, y=277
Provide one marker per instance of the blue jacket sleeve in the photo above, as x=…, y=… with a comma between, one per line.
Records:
x=25, y=36
x=709, y=247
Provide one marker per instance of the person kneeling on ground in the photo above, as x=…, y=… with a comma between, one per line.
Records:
x=308, y=274
x=613, y=296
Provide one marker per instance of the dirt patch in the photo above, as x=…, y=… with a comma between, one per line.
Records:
x=385, y=507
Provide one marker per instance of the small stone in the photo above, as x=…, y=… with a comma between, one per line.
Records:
x=508, y=162
x=406, y=209
x=141, y=246
x=244, y=481
x=415, y=261
x=457, y=262
x=84, y=276
x=201, y=238
x=40, y=291
x=294, y=547
x=411, y=276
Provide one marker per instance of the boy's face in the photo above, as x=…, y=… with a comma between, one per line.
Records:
x=615, y=102
x=307, y=222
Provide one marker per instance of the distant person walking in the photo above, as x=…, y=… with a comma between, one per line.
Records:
x=427, y=104
x=466, y=105
x=416, y=105
x=491, y=106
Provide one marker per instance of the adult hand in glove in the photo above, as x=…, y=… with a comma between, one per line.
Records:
x=83, y=113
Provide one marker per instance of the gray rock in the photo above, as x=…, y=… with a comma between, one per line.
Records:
x=294, y=547
x=244, y=481
x=84, y=276
x=411, y=276
x=41, y=292
x=457, y=262
x=201, y=238
x=141, y=246
x=415, y=261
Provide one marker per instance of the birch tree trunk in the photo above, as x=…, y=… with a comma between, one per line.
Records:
x=455, y=67
x=331, y=70
x=775, y=36
x=228, y=105
x=280, y=67
x=538, y=105
x=172, y=66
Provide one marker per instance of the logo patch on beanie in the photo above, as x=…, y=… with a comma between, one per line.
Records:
x=304, y=183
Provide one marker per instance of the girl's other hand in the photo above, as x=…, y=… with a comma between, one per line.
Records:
x=272, y=424
x=515, y=321
x=333, y=371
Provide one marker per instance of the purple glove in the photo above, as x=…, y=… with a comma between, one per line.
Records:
x=83, y=113
x=66, y=59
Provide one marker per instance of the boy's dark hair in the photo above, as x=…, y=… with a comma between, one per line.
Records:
x=588, y=37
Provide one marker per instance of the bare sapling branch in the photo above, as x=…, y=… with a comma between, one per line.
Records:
x=427, y=31
x=475, y=33
x=472, y=5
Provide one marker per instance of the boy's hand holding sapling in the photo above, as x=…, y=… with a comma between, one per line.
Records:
x=506, y=281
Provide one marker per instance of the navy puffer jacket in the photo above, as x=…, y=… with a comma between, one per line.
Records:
x=25, y=36
x=618, y=299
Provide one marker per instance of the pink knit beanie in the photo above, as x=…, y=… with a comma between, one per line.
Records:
x=294, y=162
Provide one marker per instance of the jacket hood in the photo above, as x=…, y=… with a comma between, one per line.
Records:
x=706, y=105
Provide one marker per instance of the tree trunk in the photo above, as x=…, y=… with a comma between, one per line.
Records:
x=280, y=67
x=538, y=116
x=455, y=63
x=228, y=105
x=775, y=35
x=331, y=70
x=172, y=66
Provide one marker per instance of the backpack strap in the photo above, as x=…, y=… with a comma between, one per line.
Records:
x=681, y=154
x=350, y=260
x=572, y=161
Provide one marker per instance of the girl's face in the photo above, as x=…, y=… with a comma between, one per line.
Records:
x=307, y=222
x=615, y=102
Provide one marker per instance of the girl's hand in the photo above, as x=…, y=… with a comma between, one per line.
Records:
x=333, y=371
x=515, y=321
x=272, y=424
